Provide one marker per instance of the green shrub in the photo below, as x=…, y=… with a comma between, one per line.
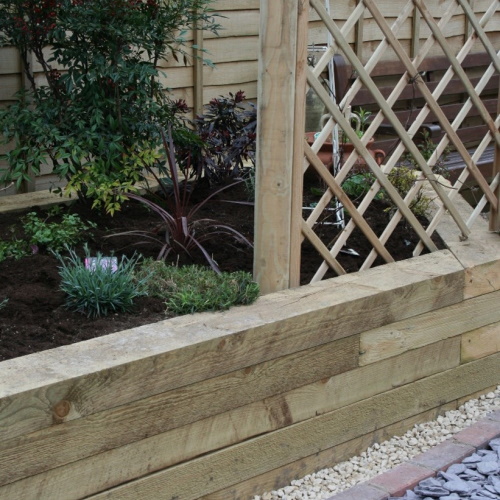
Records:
x=96, y=121
x=192, y=289
x=3, y=303
x=99, y=290
x=403, y=179
x=55, y=235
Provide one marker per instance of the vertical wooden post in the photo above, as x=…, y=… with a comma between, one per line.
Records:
x=495, y=214
x=298, y=154
x=198, y=70
x=415, y=33
x=468, y=27
x=275, y=137
x=27, y=186
x=358, y=43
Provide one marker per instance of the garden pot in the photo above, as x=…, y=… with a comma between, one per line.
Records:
x=325, y=152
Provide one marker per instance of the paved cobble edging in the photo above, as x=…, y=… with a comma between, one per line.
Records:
x=406, y=476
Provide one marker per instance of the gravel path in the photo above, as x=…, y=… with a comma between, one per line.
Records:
x=382, y=457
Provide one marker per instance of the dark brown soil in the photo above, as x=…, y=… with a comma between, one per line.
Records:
x=35, y=319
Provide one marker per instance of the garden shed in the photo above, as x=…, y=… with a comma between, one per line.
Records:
x=227, y=405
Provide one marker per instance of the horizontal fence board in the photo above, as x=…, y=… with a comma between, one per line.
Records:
x=221, y=5
x=284, y=475
x=481, y=342
x=120, y=426
x=222, y=430
x=10, y=62
x=9, y=85
x=163, y=356
x=234, y=49
x=232, y=73
x=454, y=320
x=238, y=463
x=237, y=23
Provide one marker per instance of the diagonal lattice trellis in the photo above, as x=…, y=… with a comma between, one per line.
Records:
x=306, y=156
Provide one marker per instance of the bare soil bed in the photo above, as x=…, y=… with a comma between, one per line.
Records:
x=35, y=319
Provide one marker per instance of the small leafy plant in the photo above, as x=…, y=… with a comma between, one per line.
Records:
x=3, y=303
x=13, y=249
x=403, y=179
x=359, y=120
x=191, y=289
x=55, y=235
x=358, y=185
x=100, y=289
x=180, y=232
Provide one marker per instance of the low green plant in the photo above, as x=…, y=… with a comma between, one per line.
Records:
x=358, y=185
x=359, y=120
x=403, y=179
x=3, y=303
x=55, y=235
x=191, y=289
x=13, y=249
x=100, y=289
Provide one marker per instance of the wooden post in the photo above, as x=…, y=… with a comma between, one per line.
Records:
x=275, y=138
x=198, y=70
x=468, y=27
x=415, y=33
x=27, y=186
x=495, y=213
x=358, y=43
x=298, y=157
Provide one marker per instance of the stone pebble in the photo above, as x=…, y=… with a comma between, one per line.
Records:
x=476, y=478
x=382, y=457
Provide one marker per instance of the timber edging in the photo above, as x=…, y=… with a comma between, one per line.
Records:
x=228, y=405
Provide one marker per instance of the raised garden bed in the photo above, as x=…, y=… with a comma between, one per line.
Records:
x=35, y=318
x=226, y=405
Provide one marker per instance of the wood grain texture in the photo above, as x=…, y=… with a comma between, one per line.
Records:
x=283, y=476
x=134, y=460
x=275, y=144
x=481, y=342
x=394, y=339
x=103, y=431
x=224, y=468
x=120, y=368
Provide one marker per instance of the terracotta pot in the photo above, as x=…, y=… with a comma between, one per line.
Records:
x=325, y=154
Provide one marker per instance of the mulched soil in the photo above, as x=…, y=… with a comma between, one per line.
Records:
x=35, y=318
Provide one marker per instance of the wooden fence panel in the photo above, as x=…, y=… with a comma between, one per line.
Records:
x=235, y=51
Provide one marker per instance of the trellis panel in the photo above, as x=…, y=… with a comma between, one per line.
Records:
x=409, y=32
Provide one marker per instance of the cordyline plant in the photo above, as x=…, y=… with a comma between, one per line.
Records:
x=179, y=231
x=96, y=115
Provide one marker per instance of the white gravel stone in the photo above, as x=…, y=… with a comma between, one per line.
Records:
x=384, y=456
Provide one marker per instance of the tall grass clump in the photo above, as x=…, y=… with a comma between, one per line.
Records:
x=99, y=289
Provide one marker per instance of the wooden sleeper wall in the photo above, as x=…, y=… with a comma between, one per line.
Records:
x=227, y=405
